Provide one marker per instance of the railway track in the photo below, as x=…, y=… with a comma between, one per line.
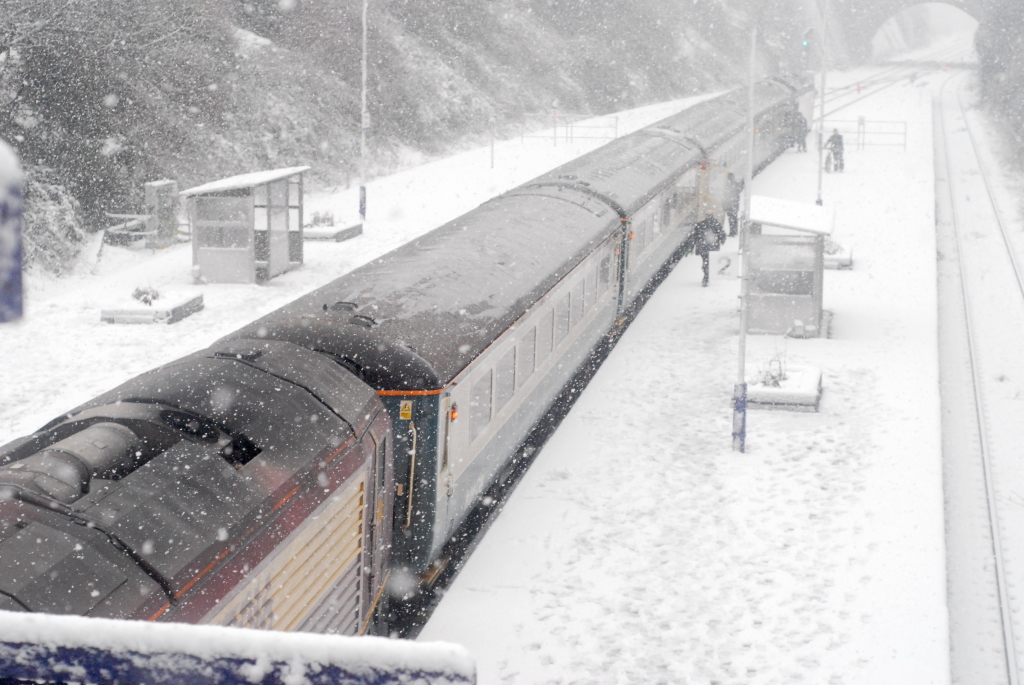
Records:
x=841, y=97
x=981, y=319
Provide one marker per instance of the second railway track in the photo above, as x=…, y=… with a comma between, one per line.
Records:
x=981, y=322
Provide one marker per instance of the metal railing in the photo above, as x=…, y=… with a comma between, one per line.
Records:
x=862, y=133
x=568, y=127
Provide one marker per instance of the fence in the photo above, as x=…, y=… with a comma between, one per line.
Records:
x=568, y=127
x=861, y=133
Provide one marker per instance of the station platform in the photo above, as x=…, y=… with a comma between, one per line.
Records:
x=640, y=548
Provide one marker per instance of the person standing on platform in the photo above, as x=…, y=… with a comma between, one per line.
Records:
x=733, y=189
x=707, y=237
x=835, y=145
x=800, y=131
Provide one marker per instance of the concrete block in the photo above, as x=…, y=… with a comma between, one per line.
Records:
x=171, y=312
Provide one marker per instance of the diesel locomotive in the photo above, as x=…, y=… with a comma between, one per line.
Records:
x=301, y=471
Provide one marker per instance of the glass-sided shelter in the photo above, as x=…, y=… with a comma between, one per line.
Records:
x=247, y=228
x=786, y=265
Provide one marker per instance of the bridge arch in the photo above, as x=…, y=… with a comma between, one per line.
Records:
x=942, y=25
x=860, y=21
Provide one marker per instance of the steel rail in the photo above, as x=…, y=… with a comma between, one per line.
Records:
x=1009, y=642
x=991, y=196
x=889, y=78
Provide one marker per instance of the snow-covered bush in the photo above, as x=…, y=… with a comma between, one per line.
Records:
x=773, y=372
x=1001, y=53
x=51, y=230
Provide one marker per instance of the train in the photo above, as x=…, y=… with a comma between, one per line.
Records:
x=307, y=471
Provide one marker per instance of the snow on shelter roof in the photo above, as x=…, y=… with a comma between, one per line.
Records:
x=796, y=216
x=255, y=178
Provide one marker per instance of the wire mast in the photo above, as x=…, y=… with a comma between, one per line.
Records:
x=364, y=124
x=739, y=414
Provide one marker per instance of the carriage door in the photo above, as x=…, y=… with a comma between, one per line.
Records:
x=444, y=477
x=378, y=520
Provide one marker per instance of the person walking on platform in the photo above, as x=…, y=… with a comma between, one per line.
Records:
x=707, y=237
x=835, y=146
x=733, y=189
x=800, y=131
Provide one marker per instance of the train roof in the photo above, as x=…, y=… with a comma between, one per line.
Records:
x=221, y=434
x=414, y=318
x=633, y=169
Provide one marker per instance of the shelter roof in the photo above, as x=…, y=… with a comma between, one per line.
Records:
x=255, y=178
x=796, y=216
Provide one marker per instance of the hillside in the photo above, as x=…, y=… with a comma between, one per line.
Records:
x=100, y=97
x=1001, y=55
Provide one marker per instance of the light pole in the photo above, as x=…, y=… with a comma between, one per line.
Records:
x=364, y=124
x=739, y=399
x=821, y=118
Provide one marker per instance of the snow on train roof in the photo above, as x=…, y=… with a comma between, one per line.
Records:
x=254, y=178
x=449, y=294
x=796, y=216
x=634, y=168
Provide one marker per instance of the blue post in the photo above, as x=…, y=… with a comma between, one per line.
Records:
x=10, y=235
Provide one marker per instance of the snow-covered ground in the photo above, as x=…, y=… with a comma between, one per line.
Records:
x=640, y=549
x=61, y=355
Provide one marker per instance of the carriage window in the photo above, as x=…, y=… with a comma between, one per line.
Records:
x=638, y=237
x=382, y=455
x=562, y=318
x=666, y=214
x=480, y=405
x=527, y=355
x=605, y=273
x=576, y=310
x=505, y=379
x=591, y=293
x=544, y=333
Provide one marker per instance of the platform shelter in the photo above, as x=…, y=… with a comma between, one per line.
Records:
x=786, y=264
x=246, y=228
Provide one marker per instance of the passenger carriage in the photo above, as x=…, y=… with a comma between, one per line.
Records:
x=470, y=332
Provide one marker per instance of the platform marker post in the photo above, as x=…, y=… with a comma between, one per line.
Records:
x=739, y=400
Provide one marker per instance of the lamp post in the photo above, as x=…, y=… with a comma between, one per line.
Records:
x=364, y=124
x=821, y=118
x=739, y=415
